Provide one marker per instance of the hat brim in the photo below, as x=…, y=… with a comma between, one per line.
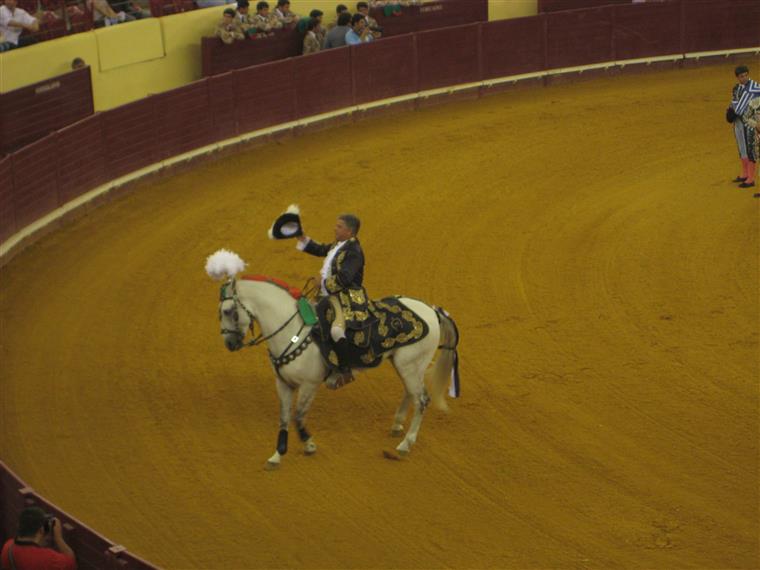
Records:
x=287, y=226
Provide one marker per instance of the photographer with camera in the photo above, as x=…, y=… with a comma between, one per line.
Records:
x=28, y=551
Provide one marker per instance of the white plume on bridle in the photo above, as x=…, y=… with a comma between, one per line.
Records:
x=224, y=264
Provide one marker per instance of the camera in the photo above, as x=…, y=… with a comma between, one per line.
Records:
x=47, y=524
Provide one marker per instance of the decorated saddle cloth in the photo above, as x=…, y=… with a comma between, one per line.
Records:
x=393, y=325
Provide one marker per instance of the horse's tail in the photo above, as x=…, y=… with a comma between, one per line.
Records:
x=445, y=371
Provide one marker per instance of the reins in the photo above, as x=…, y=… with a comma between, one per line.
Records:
x=294, y=348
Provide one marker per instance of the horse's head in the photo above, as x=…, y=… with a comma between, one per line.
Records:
x=234, y=317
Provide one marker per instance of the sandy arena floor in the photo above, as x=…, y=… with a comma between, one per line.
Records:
x=600, y=265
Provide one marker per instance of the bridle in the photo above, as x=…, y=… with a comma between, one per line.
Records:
x=294, y=349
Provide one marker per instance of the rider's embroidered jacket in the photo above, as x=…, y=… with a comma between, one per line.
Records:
x=345, y=281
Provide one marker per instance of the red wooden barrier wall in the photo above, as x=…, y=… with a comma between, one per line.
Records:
x=578, y=37
x=384, y=69
x=264, y=96
x=513, y=47
x=31, y=112
x=448, y=56
x=644, y=30
x=559, y=5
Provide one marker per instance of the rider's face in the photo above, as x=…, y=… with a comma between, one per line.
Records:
x=743, y=77
x=342, y=231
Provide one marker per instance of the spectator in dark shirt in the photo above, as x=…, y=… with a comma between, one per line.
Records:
x=27, y=550
x=339, y=9
x=336, y=37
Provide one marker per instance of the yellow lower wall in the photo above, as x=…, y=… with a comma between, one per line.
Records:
x=130, y=61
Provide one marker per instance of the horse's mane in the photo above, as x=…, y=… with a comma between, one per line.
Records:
x=294, y=292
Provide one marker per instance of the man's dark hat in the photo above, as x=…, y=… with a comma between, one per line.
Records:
x=288, y=225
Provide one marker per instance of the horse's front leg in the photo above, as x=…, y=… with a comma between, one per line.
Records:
x=285, y=393
x=306, y=394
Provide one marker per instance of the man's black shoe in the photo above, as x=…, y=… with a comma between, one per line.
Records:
x=739, y=179
x=747, y=185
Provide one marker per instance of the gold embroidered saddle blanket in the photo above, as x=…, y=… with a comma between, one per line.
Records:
x=392, y=325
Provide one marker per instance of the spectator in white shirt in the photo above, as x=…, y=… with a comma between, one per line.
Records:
x=13, y=21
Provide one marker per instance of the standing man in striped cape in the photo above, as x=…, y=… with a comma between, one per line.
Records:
x=744, y=92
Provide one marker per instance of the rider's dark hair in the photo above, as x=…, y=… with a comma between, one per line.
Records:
x=351, y=221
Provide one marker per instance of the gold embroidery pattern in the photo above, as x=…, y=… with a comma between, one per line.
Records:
x=357, y=296
x=401, y=338
x=340, y=258
x=359, y=337
x=331, y=284
x=333, y=358
x=382, y=328
x=368, y=357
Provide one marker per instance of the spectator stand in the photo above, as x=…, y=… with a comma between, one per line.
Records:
x=219, y=58
x=57, y=18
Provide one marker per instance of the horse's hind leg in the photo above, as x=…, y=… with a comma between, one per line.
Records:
x=306, y=395
x=412, y=373
x=285, y=393
x=397, y=430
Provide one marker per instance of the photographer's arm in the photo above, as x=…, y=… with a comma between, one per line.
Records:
x=58, y=539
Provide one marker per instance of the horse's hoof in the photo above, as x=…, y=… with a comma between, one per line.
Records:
x=392, y=455
x=269, y=466
x=397, y=432
x=402, y=452
x=309, y=451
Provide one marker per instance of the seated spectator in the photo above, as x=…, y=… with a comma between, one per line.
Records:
x=265, y=21
x=104, y=15
x=363, y=9
x=27, y=550
x=310, y=41
x=336, y=37
x=283, y=13
x=229, y=28
x=78, y=63
x=359, y=32
x=244, y=17
x=129, y=7
x=13, y=21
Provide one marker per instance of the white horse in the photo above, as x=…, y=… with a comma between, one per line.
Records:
x=298, y=363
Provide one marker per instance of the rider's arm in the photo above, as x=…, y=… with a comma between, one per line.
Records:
x=311, y=247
